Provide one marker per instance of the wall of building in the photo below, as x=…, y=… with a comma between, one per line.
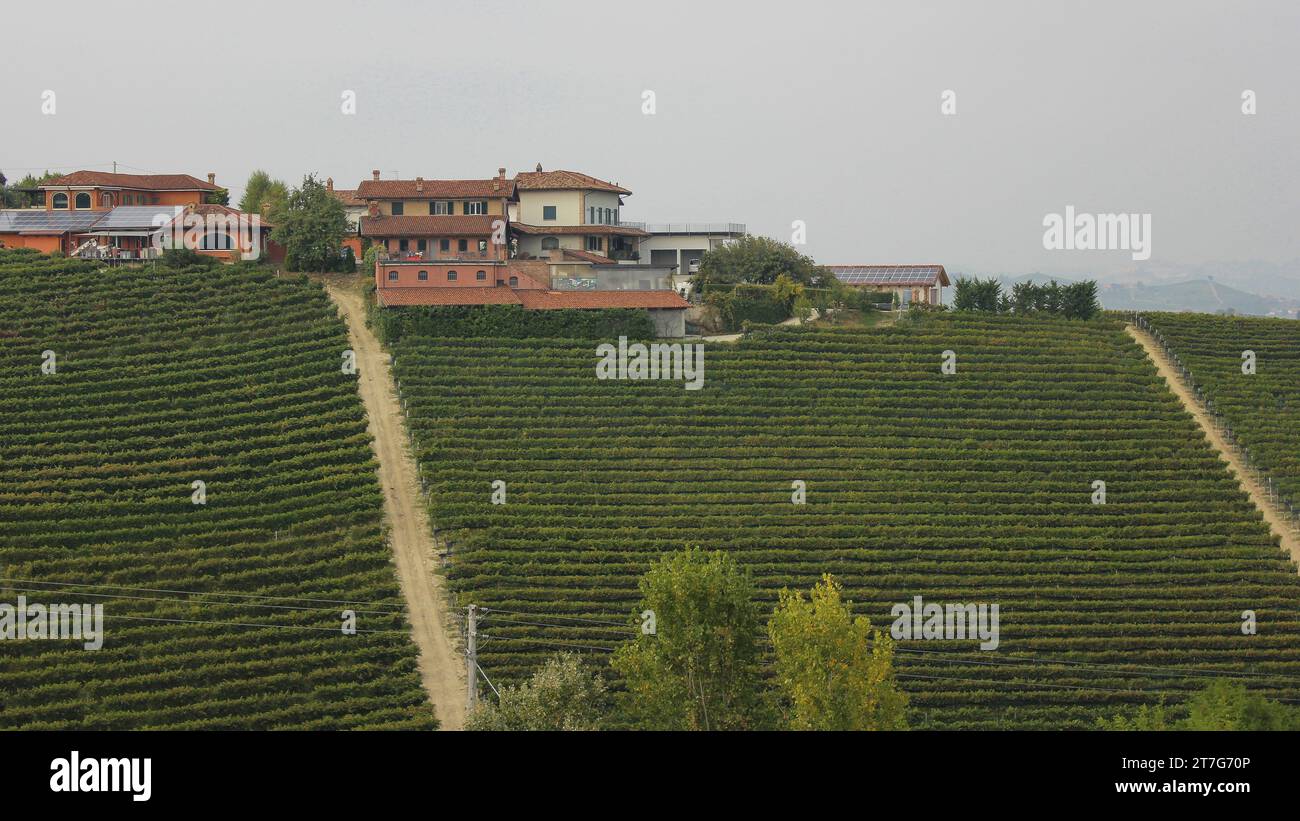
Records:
x=568, y=207
x=600, y=199
x=439, y=275
x=120, y=197
x=44, y=243
x=423, y=206
x=670, y=322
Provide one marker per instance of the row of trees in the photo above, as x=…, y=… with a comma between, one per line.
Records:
x=1077, y=300
x=701, y=669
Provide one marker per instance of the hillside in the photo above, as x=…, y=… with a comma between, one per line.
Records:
x=972, y=488
x=226, y=614
x=1262, y=409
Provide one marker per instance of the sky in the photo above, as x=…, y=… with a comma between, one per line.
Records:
x=826, y=113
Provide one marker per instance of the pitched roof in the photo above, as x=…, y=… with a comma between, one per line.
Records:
x=36, y=220
x=587, y=230
x=435, y=189
x=428, y=226
x=556, y=300
x=892, y=275
x=146, y=182
x=564, y=180
x=464, y=295
x=347, y=196
x=586, y=256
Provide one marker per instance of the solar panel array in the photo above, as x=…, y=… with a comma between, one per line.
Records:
x=139, y=216
x=886, y=274
x=36, y=220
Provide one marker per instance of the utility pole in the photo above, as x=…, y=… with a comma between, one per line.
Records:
x=471, y=657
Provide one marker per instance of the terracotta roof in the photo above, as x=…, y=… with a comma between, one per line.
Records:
x=347, y=196
x=890, y=275
x=466, y=295
x=147, y=182
x=213, y=208
x=563, y=180
x=436, y=189
x=428, y=226
x=532, y=273
x=586, y=256
x=587, y=230
x=556, y=300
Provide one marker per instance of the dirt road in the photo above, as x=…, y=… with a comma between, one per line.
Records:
x=441, y=665
x=1276, y=519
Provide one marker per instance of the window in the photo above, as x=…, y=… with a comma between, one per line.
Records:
x=477, y=207
x=482, y=247
x=609, y=216
x=392, y=276
x=550, y=243
x=445, y=244
x=106, y=200
x=462, y=245
x=548, y=212
x=451, y=276
x=440, y=208
x=422, y=245
x=514, y=282
x=591, y=214
x=83, y=200
x=593, y=243
x=153, y=200
x=403, y=245
x=60, y=201
x=422, y=276
x=481, y=275
x=399, y=209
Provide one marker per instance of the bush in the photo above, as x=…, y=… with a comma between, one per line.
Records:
x=511, y=321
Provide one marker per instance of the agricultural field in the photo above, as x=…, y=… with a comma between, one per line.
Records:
x=976, y=487
x=1262, y=409
x=226, y=614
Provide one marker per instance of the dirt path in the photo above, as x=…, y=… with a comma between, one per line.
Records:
x=1276, y=519
x=441, y=665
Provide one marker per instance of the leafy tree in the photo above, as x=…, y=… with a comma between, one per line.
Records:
x=311, y=228
x=221, y=197
x=758, y=260
x=14, y=198
x=348, y=262
x=982, y=295
x=833, y=670
x=1222, y=705
x=803, y=308
x=261, y=190
x=1079, y=300
x=699, y=670
x=561, y=695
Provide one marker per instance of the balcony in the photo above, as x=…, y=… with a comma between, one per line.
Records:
x=688, y=227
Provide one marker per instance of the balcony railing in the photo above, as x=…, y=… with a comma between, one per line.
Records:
x=688, y=227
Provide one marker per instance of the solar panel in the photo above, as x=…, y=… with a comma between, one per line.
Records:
x=885, y=274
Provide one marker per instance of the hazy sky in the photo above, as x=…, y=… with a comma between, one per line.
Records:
x=826, y=112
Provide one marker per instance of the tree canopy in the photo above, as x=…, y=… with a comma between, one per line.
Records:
x=758, y=260
x=311, y=228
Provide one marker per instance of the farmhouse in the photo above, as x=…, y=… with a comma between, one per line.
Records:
x=909, y=283
x=516, y=282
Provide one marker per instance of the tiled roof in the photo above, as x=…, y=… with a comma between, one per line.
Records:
x=428, y=226
x=890, y=275
x=556, y=300
x=532, y=273
x=586, y=230
x=147, y=182
x=466, y=295
x=347, y=196
x=564, y=181
x=586, y=256
x=436, y=189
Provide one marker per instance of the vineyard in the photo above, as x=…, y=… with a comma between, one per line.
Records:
x=1262, y=409
x=976, y=487
x=223, y=601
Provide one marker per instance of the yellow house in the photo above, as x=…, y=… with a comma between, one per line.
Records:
x=568, y=210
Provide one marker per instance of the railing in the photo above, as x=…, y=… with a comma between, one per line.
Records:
x=688, y=227
x=1284, y=504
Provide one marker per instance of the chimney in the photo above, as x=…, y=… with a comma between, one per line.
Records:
x=539, y=168
x=375, y=174
x=419, y=185
x=212, y=178
x=501, y=173
x=329, y=183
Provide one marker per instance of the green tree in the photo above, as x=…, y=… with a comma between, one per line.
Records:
x=1222, y=705
x=14, y=197
x=261, y=190
x=561, y=695
x=1079, y=300
x=699, y=670
x=982, y=295
x=311, y=228
x=758, y=260
x=833, y=670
